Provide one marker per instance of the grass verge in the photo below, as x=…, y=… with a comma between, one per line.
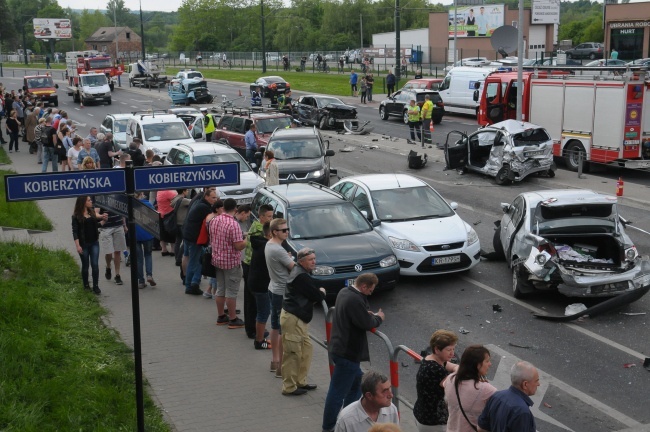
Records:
x=4, y=158
x=24, y=214
x=62, y=369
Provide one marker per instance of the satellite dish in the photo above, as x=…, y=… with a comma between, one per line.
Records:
x=504, y=40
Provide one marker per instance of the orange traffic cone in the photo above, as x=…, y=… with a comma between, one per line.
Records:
x=431, y=127
x=81, y=103
x=619, y=186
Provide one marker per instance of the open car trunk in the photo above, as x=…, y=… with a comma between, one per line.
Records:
x=600, y=252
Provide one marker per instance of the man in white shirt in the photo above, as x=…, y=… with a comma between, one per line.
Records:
x=375, y=405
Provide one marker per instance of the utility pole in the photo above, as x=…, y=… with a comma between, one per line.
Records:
x=117, y=47
x=397, y=40
x=455, y=31
x=142, y=32
x=520, y=59
x=263, y=38
x=361, y=30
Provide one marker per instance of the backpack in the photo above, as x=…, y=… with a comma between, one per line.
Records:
x=169, y=221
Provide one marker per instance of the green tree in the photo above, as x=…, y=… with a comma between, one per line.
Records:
x=116, y=10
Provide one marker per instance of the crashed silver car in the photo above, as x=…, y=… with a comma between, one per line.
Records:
x=572, y=241
x=508, y=151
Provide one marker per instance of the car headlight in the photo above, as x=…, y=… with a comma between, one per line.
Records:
x=402, y=244
x=631, y=254
x=388, y=261
x=316, y=174
x=257, y=188
x=472, y=237
x=323, y=271
x=262, y=173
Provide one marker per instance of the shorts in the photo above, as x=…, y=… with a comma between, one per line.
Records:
x=112, y=240
x=263, y=302
x=276, y=308
x=228, y=282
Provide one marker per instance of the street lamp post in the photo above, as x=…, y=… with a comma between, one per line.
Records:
x=142, y=31
x=263, y=38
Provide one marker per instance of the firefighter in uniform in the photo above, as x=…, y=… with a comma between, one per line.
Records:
x=208, y=123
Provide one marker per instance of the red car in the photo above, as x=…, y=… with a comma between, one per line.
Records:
x=423, y=84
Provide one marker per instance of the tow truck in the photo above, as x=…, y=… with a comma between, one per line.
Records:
x=604, y=119
x=147, y=74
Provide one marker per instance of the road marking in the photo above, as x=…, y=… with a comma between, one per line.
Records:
x=78, y=109
x=133, y=106
x=502, y=381
x=123, y=103
x=90, y=114
x=575, y=327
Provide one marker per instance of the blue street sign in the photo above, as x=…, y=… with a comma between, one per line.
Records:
x=117, y=203
x=42, y=186
x=186, y=176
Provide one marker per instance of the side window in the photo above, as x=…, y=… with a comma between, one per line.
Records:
x=237, y=125
x=226, y=122
x=347, y=190
x=107, y=123
x=306, y=101
x=493, y=92
x=172, y=156
x=445, y=83
x=361, y=202
x=517, y=210
x=183, y=158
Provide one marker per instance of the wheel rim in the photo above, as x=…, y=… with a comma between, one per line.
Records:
x=515, y=279
x=382, y=113
x=574, y=155
x=406, y=117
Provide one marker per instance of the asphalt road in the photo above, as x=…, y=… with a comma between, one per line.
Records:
x=586, y=385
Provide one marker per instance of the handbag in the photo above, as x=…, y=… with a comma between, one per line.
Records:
x=60, y=150
x=204, y=235
x=207, y=269
x=461, y=406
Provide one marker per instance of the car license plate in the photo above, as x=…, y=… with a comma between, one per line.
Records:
x=533, y=153
x=446, y=260
x=349, y=282
x=244, y=201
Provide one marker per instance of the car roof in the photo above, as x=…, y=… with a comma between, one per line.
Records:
x=298, y=195
x=424, y=80
x=158, y=118
x=201, y=148
x=386, y=181
x=428, y=91
x=514, y=126
x=295, y=133
x=560, y=197
x=121, y=116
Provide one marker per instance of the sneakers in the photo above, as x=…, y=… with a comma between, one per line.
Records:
x=236, y=323
x=118, y=280
x=87, y=286
x=108, y=273
x=263, y=345
x=207, y=295
x=96, y=290
x=222, y=319
x=194, y=290
x=150, y=281
x=142, y=285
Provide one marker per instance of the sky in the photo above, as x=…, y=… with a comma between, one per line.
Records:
x=165, y=5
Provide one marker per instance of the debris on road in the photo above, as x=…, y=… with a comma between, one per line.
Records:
x=463, y=331
x=632, y=313
x=574, y=308
x=496, y=308
x=547, y=405
x=519, y=346
x=477, y=222
x=347, y=149
x=629, y=365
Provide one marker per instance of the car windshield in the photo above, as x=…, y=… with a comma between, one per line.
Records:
x=44, y=82
x=224, y=157
x=333, y=220
x=165, y=131
x=274, y=80
x=94, y=80
x=268, y=125
x=324, y=101
x=405, y=204
x=100, y=63
x=191, y=75
x=531, y=137
x=575, y=219
x=304, y=148
x=120, y=126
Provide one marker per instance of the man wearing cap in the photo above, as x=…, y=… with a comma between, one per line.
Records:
x=208, y=123
x=297, y=312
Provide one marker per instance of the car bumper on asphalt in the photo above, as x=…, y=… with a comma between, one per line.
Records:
x=438, y=262
x=388, y=277
x=531, y=166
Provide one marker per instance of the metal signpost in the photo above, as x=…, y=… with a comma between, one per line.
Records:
x=114, y=190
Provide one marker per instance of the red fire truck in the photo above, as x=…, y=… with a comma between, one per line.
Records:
x=604, y=119
x=91, y=61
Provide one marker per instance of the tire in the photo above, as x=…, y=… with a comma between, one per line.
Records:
x=56, y=103
x=502, y=177
x=592, y=56
x=520, y=286
x=550, y=173
x=322, y=124
x=571, y=153
x=497, y=245
x=382, y=113
x=405, y=117
x=437, y=120
x=110, y=101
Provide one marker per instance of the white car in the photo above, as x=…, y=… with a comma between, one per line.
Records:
x=470, y=61
x=426, y=234
x=158, y=131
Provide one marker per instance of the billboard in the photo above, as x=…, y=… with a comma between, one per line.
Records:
x=545, y=12
x=476, y=21
x=52, y=28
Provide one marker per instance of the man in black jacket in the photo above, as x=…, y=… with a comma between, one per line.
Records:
x=349, y=345
x=191, y=229
x=297, y=312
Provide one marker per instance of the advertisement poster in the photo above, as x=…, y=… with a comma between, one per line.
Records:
x=476, y=21
x=52, y=28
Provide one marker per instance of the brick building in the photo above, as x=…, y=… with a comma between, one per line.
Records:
x=103, y=40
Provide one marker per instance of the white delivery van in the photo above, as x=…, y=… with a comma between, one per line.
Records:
x=457, y=89
x=91, y=87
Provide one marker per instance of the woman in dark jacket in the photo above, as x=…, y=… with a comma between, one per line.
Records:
x=85, y=231
x=13, y=127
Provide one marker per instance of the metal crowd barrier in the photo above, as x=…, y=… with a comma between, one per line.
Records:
x=393, y=353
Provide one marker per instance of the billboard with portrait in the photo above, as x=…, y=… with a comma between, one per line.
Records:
x=476, y=21
x=52, y=28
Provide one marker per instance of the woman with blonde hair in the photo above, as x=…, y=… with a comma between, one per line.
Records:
x=88, y=163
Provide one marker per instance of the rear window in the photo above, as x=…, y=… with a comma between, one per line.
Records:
x=578, y=210
x=531, y=137
x=435, y=97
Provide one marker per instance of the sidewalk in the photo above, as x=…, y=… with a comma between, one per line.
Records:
x=204, y=377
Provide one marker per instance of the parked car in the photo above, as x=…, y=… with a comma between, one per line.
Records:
x=158, y=131
x=185, y=74
x=345, y=243
x=426, y=234
x=591, y=50
x=269, y=85
x=639, y=62
x=508, y=151
x=397, y=104
x=606, y=62
x=116, y=124
x=235, y=122
x=470, y=61
x=324, y=111
x=570, y=240
x=301, y=154
x=203, y=153
x=423, y=84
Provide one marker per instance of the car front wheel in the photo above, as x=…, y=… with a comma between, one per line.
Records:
x=406, y=117
x=322, y=124
x=520, y=285
x=382, y=113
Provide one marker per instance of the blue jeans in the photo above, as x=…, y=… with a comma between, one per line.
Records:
x=345, y=388
x=193, y=271
x=250, y=156
x=50, y=155
x=263, y=303
x=90, y=255
x=143, y=252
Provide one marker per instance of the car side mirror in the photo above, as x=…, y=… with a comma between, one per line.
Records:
x=253, y=165
x=375, y=223
x=505, y=207
x=477, y=85
x=330, y=153
x=453, y=205
x=56, y=86
x=475, y=97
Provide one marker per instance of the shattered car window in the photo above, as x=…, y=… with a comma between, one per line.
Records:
x=531, y=137
x=577, y=219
